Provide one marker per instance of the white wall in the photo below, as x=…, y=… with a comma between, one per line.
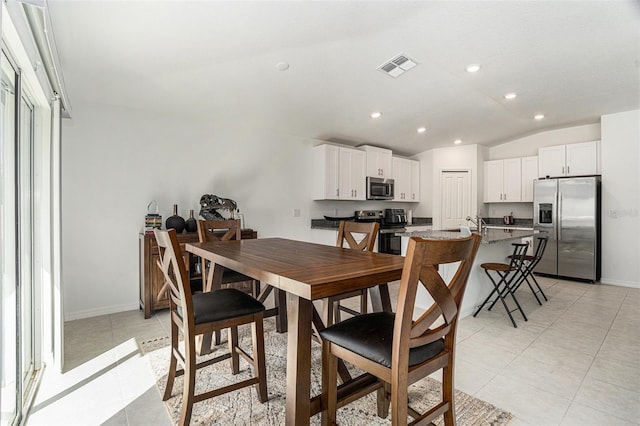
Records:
x=116, y=161
x=527, y=146
x=620, y=148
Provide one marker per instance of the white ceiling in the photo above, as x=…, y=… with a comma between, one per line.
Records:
x=570, y=60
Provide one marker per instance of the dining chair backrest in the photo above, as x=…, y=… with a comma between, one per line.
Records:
x=357, y=235
x=518, y=256
x=422, y=263
x=174, y=270
x=218, y=230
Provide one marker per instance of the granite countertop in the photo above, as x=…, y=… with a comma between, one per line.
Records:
x=492, y=235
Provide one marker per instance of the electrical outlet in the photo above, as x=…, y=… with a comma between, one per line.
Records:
x=296, y=212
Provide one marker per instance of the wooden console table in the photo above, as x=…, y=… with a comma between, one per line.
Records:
x=151, y=278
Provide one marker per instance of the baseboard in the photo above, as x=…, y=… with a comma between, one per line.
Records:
x=620, y=283
x=106, y=310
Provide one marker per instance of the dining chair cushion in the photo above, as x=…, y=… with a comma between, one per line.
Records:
x=223, y=304
x=371, y=336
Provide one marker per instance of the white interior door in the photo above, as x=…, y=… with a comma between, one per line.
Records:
x=455, y=193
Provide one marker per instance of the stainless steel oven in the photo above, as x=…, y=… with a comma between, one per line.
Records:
x=394, y=221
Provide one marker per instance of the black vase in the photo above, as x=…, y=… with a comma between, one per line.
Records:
x=191, y=225
x=175, y=221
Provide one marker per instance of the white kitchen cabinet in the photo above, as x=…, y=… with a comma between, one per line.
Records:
x=351, y=175
x=406, y=177
x=529, y=174
x=326, y=166
x=415, y=181
x=379, y=161
x=401, y=179
x=503, y=181
x=577, y=159
x=338, y=173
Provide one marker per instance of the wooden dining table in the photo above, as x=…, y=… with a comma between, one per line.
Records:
x=306, y=272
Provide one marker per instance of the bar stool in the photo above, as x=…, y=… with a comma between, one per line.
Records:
x=508, y=275
x=527, y=267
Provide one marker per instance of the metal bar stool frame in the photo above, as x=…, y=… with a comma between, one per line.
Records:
x=527, y=267
x=508, y=274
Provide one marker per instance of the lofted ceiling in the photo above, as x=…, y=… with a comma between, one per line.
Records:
x=572, y=61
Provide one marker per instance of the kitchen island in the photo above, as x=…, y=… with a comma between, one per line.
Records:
x=495, y=247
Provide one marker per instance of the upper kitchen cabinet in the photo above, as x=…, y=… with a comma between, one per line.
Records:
x=406, y=176
x=378, y=161
x=529, y=174
x=351, y=176
x=503, y=181
x=577, y=159
x=338, y=173
x=415, y=181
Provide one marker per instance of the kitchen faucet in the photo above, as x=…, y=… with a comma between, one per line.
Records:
x=479, y=222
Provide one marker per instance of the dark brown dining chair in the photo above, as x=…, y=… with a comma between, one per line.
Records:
x=396, y=349
x=355, y=236
x=225, y=230
x=201, y=313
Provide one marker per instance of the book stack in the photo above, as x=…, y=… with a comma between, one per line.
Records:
x=151, y=222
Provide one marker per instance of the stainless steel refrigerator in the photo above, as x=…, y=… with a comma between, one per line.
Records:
x=568, y=210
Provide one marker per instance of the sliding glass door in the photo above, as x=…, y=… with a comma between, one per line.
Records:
x=16, y=238
x=9, y=368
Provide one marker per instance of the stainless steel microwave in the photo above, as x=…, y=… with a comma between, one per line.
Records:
x=379, y=188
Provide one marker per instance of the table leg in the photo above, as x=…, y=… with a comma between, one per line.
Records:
x=298, y=407
x=214, y=281
x=380, y=299
x=280, y=298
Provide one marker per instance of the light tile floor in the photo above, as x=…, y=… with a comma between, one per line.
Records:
x=576, y=361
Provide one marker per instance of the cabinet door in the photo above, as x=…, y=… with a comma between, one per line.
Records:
x=373, y=163
x=493, y=178
x=326, y=170
x=551, y=161
x=385, y=162
x=512, y=180
x=345, y=191
x=358, y=179
x=529, y=174
x=379, y=162
x=415, y=181
x=402, y=179
x=582, y=159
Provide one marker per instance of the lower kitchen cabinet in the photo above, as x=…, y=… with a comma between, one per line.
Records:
x=153, y=293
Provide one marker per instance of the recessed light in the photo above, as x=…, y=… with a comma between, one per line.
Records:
x=376, y=114
x=282, y=66
x=422, y=129
x=510, y=95
x=458, y=141
x=538, y=116
x=473, y=68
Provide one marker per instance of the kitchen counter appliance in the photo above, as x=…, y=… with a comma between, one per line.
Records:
x=391, y=221
x=568, y=210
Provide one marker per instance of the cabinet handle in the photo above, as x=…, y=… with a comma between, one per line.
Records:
x=505, y=197
x=562, y=169
x=568, y=170
x=355, y=193
x=337, y=192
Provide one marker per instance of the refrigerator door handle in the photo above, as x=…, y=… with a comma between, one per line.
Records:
x=559, y=216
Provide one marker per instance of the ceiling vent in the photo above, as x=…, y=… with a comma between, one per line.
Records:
x=397, y=66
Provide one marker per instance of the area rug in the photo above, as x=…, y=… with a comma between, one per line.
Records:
x=243, y=408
